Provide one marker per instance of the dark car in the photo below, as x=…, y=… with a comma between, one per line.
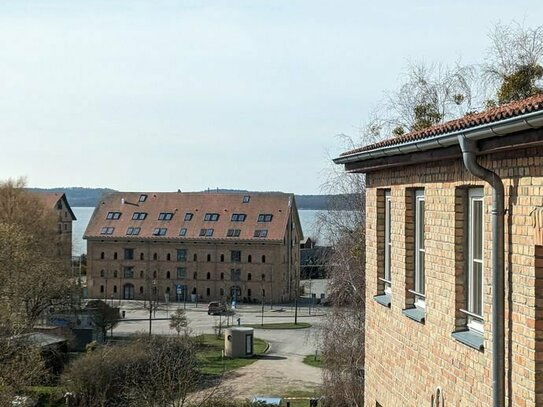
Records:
x=216, y=308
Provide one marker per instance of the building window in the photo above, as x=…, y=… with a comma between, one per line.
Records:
x=107, y=230
x=263, y=292
x=101, y=288
x=102, y=255
x=387, y=276
x=265, y=217
x=419, y=276
x=249, y=277
x=208, y=276
x=181, y=254
x=142, y=256
x=235, y=256
x=141, y=289
x=160, y=231
x=195, y=275
x=235, y=274
x=261, y=233
x=233, y=232
x=195, y=257
x=114, y=288
x=238, y=217
x=475, y=260
x=114, y=255
x=132, y=231
x=181, y=272
x=168, y=275
x=102, y=273
x=249, y=259
x=128, y=272
x=221, y=292
x=211, y=217
x=246, y=199
x=222, y=276
x=249, y=292
x=188, y=216
x=208, y=292
x=263, y=258
x=222, y=258
x=154, y=274
x=129, y=254
x=206, y=232
x=155, y=256
x=165, y=216
x=139, y=215
x=113, y=215
x=143, y=198
x=167, y=290
x=183, y=232
x=141, y=273
x=263, y=277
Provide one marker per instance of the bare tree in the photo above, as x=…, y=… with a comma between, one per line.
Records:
x=179, y=322
x=514, y=62
x=103, y=316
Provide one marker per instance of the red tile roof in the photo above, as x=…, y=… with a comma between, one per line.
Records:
x=197, y=203
x=502, y=112
x=49, y=199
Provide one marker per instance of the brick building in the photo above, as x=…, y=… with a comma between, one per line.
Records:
x=188, y=246
x=454, y=299
x=59, y=204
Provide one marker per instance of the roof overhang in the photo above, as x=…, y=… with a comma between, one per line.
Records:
x=442, y=146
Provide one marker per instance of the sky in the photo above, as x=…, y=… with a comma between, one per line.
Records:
x=193, y=94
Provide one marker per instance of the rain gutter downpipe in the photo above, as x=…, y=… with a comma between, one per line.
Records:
x=469, y=150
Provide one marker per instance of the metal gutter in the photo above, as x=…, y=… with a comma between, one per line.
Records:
x=532, y=120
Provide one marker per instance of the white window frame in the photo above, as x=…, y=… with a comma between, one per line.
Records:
x=475, y=297
x=420, y=251
x=387, y=274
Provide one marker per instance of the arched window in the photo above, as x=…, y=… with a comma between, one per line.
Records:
x=155, y=256
x=114, y=288
x=101, y=288
x=263, y=292
x=102, y=273
x=141, y=256
x=208, y=276
x=195, y=275
x=141, y=274
x=168, y=275
x=222, y=258
x=115, y=274
x=249, y=277
x=167, y=290
x=141, y=289
x=102, y=255
x=208, y=292
x=154, y=274
x=168, y=257
x=209, y=258
x=221, y=291
x=195, y=257
x=249, y=259
x=194, y=290
x=249, y=292
x=114, y=255
x=222, y=276
x=263, y=277
x=263, y=258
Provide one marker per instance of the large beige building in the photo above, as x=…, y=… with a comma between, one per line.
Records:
x=194, y=246
x=454, y=262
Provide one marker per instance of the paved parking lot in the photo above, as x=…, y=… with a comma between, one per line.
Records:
x=280, y=372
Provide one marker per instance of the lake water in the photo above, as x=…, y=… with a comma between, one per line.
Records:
x=83, y=215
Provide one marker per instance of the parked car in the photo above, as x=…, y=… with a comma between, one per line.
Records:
x=216, y=308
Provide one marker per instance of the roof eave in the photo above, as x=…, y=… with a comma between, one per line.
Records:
x=532, y=120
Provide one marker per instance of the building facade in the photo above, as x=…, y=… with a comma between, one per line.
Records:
x=178, y=247
x=432, y=286
x=59, y=204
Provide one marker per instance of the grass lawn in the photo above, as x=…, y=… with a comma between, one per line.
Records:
x=312, y=361
x=209, y=354
x=281, y=325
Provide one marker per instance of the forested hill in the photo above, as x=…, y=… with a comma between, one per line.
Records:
x=78, y=196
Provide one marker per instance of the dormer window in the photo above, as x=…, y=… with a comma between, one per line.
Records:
x=165, y=216
x=246, y=199
x=265, y=217
x=107, y=230
x=183, y=232
x=211, y=217
x=143, y=198
x=131, y=231
x=238, y=217
x=233, y=232
x=188, y=216
x=261, y=233
x=160, y=231
x=113, y=215
x=206, y=232
x=139, y=215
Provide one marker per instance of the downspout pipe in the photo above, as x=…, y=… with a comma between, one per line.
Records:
x=469, y=150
